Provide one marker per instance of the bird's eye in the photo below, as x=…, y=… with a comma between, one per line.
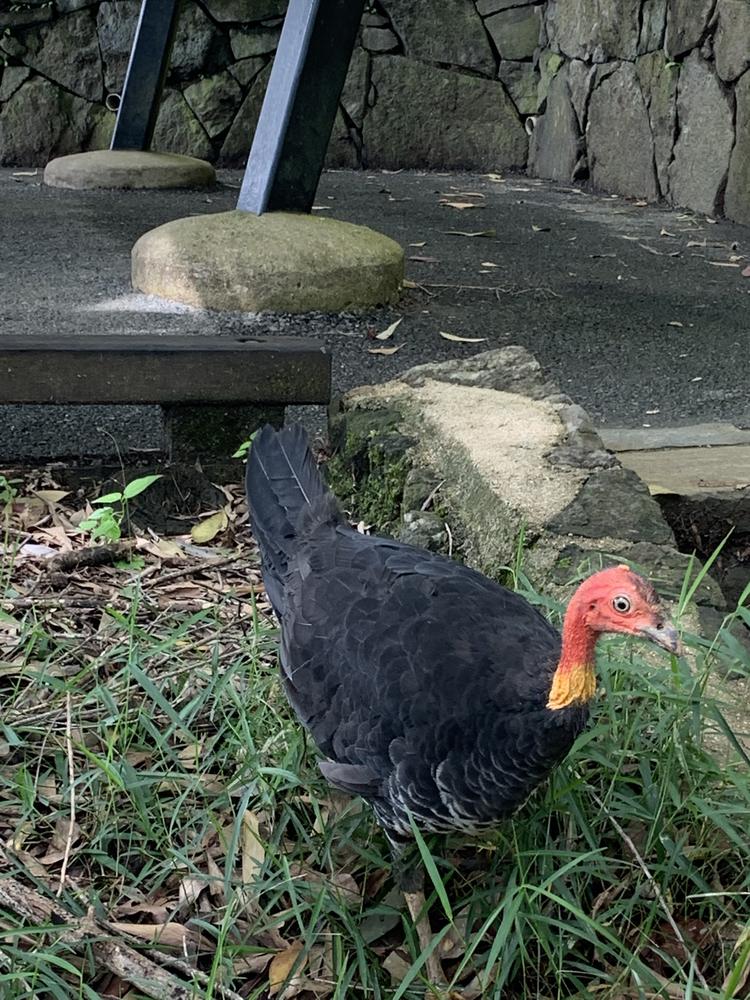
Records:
x=621, y=604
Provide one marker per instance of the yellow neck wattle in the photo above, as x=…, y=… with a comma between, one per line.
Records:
x=571, y=685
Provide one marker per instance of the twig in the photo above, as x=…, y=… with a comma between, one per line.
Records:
x=175, y=574
x=99, y=555
x=432, y=496
x=655, y=886
x=71, y=783
x=91, y=603
x=145, y=972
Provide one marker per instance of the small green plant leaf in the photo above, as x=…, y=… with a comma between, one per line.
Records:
x=109, y=498
x=244, y=449
x=138, y=486
x=102, y=523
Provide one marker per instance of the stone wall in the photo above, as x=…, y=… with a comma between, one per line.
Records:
x=646, y=98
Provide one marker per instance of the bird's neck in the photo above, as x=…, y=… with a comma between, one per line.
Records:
x=574, y=681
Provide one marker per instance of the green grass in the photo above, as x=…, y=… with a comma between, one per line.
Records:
x=199, y=802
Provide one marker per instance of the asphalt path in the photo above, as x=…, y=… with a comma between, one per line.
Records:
x=641, y=314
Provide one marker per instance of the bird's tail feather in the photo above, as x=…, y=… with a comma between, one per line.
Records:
x=282, y=482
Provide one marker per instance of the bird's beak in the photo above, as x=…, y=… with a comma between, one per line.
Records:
x=664, y=634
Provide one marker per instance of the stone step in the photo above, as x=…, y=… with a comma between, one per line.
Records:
x=690, y=471
x=619, y=439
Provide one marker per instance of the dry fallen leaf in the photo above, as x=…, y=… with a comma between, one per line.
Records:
x=460, y=205
x=397, y=967
x=169, y=935
x=461, y=340
x=425, y=260
x=206, y=530
x=540, y=229
x=253, y=851
x=488, y=263
x=675, y=322
x=281, y=965
x=461, y=232
x=406, y=283
x=722, y=263
x=385, y=350
x=665, y=232
x=389, y=330
x=51, y=496
x=422, y=244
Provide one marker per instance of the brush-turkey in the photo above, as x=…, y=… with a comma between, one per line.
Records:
x=439, y=696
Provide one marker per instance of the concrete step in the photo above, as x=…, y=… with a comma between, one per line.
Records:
x=702, y=458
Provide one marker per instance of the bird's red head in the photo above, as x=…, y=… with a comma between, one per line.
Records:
x=613, y=600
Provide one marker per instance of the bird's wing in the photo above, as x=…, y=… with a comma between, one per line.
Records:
x=392, y=653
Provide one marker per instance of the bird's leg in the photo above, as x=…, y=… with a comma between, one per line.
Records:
x=409, y=873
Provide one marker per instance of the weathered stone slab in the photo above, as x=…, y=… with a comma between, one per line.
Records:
x=556, y=140
x=354, y=93
x=197, y=44
x=614, y=500
x=472, y=443
x=737, y=197
x=447, y=32
x=379, y=40
x=279, y=262
x=115, y=24
x=515, y=32
x=236, y=146
x=701, y=154
x=429, y=117
x=550, y=64
x=214, y=101
x=732, y=39
x=653, y=25
x=594, y=30
x=521, y=81
x=11, y=80
x=178, y=130
x=581, y=80
x=256, y=41
x=127, y=169
x=689, y=471
x=241, y=11
x=66, y=51
x=658, y=80
x=621, y=159
x=687, y=22
x=486, y=7
x=245, y=70
x=62, y=123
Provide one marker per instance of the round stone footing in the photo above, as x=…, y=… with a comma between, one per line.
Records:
x=278, y=262
x=127, y=169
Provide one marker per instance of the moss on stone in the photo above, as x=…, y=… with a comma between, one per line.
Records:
x=370, y=465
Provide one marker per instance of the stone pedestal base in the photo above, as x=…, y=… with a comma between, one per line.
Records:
x=127, y=169
x=278, y=262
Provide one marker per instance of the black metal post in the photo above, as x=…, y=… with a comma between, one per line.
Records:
x=147, y=69
x=299, y=109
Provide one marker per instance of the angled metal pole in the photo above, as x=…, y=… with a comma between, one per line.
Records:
x=299, y=109
x=147, y=70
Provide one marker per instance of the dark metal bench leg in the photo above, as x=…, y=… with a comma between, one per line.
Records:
x=147, y=69
x=300, y=105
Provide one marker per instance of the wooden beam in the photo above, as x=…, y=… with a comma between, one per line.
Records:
x=165, y=370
